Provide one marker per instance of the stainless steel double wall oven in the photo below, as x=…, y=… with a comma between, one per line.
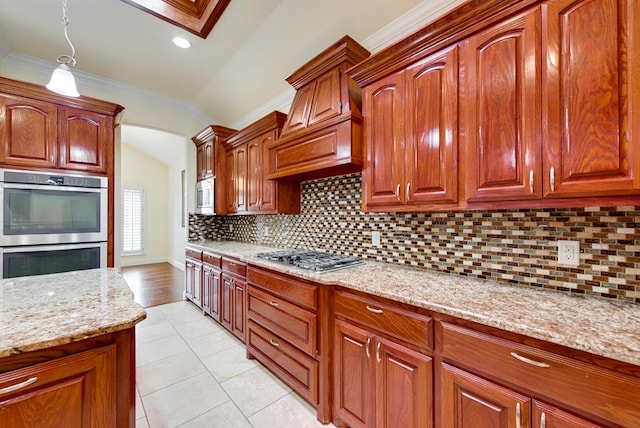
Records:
x=52, y=222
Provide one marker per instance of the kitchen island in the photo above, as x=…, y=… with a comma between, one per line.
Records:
x=67, y=350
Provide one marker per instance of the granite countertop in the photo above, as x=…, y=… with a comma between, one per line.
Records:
x=603, y=328
x=43, y=311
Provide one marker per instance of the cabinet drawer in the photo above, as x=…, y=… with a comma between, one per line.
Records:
x=597, y=391
x=296, y=291
x=292, y=323
x=297, y=369
x=194, y=254
x=406, y=326
x=234, y=266
x=212, y=259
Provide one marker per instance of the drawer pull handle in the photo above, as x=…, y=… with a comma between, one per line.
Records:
x=366, y=348
x=274, y=304
x=529, y=360
x=18, y=386
x=378, y=352
x=552, y=179
x=517, y=415
x=398, y=192
x=374, y=310
x=274, y=343
x=531, y=181
x=408, y=192
x=543, y=420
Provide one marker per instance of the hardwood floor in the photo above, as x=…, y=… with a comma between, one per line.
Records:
x=155, y=284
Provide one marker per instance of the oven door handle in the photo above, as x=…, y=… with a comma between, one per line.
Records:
x=47, y=187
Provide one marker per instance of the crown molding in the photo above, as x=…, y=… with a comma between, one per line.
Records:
x=44, y=69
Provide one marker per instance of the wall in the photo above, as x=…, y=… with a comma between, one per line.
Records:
x=140, y=171
x=512, y=246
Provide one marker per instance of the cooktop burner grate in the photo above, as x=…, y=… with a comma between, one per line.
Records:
x=311, y=260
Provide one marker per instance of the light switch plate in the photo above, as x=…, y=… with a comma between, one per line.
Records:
x=569, y=253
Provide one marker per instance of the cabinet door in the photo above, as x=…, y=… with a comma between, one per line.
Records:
x=226, y=303
x=383, y=172
x=209, y=159
x=326, y=97
x=466, y=399
x=238, y=309
x=241, y=178
x=28, y=132
x=200, y=162
x=354, y=381
x=74, y=391
x=254, y=174
x=268, y=194
x=232, y=178
x=546, y=416
x=431, y=157
x=84, y=140
x=589, y=98
x=503, y=116
x=215, y=294
x=403, y=387
x=193, y=281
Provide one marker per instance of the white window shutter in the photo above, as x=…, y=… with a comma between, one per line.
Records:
x=133, y=215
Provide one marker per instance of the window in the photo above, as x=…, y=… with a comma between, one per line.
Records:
x=133, y=213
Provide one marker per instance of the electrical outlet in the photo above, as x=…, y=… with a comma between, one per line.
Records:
x=375, y=238
x=266, y=231
x=569, y=253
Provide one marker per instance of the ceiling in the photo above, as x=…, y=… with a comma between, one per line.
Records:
x=239, y=67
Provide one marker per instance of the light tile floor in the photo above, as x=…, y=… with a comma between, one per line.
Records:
x=192, y=373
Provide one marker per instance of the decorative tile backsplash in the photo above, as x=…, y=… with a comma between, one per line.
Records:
x=512, y=246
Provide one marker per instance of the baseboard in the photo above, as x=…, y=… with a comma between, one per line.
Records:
x=177, y=264
x=135, y=262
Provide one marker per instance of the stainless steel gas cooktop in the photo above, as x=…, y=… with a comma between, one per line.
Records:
x=311, y=260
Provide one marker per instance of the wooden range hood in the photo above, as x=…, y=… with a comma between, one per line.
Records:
x=323, y=133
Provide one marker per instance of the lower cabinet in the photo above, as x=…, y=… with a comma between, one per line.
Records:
x=74, y=391
x=378, y=381
x=193, y=277
x=211, y=291
x=232, y=297
x=513, y=384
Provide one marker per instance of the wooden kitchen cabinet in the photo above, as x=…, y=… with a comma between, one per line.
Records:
x=499, y=379
x=248, y=189
x=411, y=136
x=378, y=380
x=207, y=144
x=236, y=189
x=42, y=134
x=233, y=292
x=583, y=149
x=211, y=285
x=193, y=276
x=503, y=144
x=74, y=391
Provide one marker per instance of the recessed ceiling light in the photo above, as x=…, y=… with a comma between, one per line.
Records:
x=181, y=42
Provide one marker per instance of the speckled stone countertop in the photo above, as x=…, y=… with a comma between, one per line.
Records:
x=38, y=312
x=603, y=328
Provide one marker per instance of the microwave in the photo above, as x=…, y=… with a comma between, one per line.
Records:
x=205, y=196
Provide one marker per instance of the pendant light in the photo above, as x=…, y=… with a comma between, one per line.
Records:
x=62, y=80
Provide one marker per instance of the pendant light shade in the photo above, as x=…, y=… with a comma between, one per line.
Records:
x=62, y=80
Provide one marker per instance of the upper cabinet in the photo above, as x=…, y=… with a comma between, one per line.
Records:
x=502, y=66
x=247, y=188
x=42, y=134
x=323, y=132
x=506, y=104
x=411, y=136
x=207, y=142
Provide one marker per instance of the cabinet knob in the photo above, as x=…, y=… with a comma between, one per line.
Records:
x=18, y=386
